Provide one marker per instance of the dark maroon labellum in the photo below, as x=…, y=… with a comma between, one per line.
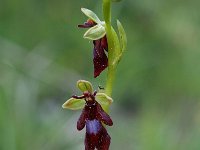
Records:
x=92, y=117
x=100, y=59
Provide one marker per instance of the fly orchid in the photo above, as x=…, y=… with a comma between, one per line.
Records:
x=93, y=116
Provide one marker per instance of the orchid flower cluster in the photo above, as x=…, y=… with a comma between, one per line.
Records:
x=108, y=48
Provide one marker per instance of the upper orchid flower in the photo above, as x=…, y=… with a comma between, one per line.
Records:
x=97, y=34
x=92, y=116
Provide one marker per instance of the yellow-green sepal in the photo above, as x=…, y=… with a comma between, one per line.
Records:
x=74, y=104
x=84, y=86
x=95, y=33
x=103, y=99
x=90, y=14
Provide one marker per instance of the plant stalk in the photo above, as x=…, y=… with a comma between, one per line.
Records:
x=109, y=35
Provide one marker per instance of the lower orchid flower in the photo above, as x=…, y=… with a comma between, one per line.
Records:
x=93, y=116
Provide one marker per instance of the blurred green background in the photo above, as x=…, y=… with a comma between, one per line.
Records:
x=157, y=89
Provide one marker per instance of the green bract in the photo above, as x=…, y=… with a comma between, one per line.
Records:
x=120, y=43
x=95, y=33
x=103, y=99
x=90, y=14
x=122, y=34
x=116, y=46
x=84, y=85
x=74, y=104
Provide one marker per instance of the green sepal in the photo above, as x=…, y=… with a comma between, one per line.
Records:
x=74, y=104
x=95, y=33
x=90, y=14
x=103, y=99
x=84, y=86
x=122, y=35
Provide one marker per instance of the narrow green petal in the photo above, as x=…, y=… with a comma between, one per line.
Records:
x=74, y=104
x=90, y=14
x=84, y=85
x=122, y=34
x=95, y=32
x=103, y=99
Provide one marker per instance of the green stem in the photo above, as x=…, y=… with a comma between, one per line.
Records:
x=107, y=12
x=109, y=35
x=111, y=68
x=110, y=80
